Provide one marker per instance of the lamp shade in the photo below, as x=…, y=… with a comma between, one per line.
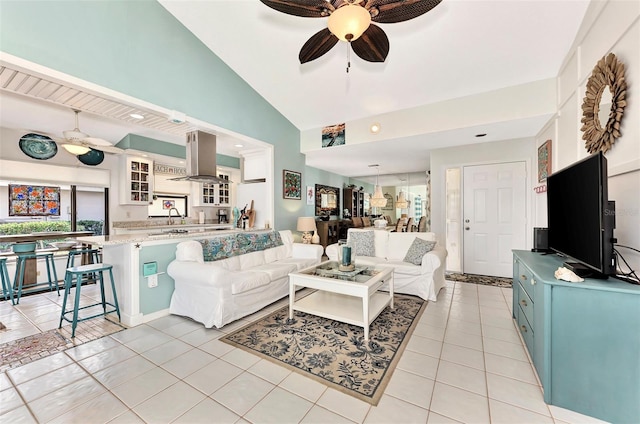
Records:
x=349, y=22
x=76, y=149
x=402, y=201
x=306, y=223
x=378, y=200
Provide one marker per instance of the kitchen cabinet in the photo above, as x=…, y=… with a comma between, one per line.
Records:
x=137, y=181
x=206, y=194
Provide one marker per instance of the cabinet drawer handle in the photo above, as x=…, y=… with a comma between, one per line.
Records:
x=523, y=277
x=523, y=328
x=523, y=302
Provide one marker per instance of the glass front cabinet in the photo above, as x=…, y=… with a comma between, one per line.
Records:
x=214, y=194
x=137, y=181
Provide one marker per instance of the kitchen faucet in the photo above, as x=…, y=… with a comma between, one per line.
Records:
x=170, y=220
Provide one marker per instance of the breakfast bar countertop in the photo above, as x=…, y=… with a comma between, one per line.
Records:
x=157, y=236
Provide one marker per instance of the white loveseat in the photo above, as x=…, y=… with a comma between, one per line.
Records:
x=216, y=292
x=390, y=249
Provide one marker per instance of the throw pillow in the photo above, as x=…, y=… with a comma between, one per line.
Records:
x=417, y=250
x=362, y=243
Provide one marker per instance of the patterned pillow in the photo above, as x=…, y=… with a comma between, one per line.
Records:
x=418, y=249
x=362, y=243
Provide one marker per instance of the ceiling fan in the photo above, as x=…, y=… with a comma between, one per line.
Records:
x=350, y=21
x=77, y=142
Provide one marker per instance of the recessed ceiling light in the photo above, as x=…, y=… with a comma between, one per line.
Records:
x=480, y=135
x=136, y=116
x=375, y=128
x=239, y=145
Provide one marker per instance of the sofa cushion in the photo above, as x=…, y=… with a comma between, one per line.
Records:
x=404, y=268
x=362, y=243
x=399, y=244
x=250, y=260
x=300, y=263
x=417, y=250
x=231, y=264
x=242, y=281
x=275, y=271
x=189, y=251
x=370, y=261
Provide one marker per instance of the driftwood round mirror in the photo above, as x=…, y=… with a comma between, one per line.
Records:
x=603, y=104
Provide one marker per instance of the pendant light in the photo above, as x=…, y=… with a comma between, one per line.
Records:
x=377, y=200
x=402, y=203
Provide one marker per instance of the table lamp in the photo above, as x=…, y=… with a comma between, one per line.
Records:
x=306, y=224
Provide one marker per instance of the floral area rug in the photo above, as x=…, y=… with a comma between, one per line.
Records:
x=333, y=352
x=484, y=280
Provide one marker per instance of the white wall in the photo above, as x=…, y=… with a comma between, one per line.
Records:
x=477, y=154
x=609, y=26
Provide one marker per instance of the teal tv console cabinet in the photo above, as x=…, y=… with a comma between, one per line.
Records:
x=583, y=338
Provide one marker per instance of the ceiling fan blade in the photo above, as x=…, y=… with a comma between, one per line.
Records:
x=102, y=145
x=372, y=45
x=304, y=8
x=391, y=11
x=319, y=43
x=108, y=149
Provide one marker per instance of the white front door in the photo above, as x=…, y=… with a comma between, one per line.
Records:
x=494, y=217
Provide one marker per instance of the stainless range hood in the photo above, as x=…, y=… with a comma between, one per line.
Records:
x=201, y=159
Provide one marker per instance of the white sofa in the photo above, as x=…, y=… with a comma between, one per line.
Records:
x=390, y=249
x=218, y=292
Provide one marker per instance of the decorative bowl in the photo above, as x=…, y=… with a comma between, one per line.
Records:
x=64, y=244
x=24, y=247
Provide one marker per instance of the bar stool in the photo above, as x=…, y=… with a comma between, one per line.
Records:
x=93, y=255
x=78, y=272
x=21, y=263
x=7, y=289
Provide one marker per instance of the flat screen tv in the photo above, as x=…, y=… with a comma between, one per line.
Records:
x=581, y=218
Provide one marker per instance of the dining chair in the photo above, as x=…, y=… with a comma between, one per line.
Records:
x=409, y=225
x=422, y=224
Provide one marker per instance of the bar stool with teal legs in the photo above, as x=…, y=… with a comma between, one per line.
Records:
x=21, y=263
x=78, y=272
x=7, y=286
x=91, y=253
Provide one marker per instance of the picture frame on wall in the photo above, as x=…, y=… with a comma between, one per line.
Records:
x=291, y=185
x=544, y=161
x=311, y=195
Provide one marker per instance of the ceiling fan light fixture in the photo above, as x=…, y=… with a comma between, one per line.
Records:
x=349, y=22
x=76, y=149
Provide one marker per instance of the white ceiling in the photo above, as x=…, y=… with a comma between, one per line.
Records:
x=460, y=48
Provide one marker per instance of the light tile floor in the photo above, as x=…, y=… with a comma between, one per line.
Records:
x=464, y=363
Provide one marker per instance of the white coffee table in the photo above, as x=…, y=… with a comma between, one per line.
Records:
x=350, y=297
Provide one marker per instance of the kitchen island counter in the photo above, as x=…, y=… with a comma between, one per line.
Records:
x=145, y=298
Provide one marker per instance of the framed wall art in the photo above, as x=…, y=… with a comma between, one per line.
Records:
x=291, y=184
x=544, y=161
x=311, y=195
x=333, y=135
x=31, y=200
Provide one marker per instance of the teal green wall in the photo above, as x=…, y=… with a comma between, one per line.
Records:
x=146, y=144
x=139, y=49
x=157, y=298
x=313, y=176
